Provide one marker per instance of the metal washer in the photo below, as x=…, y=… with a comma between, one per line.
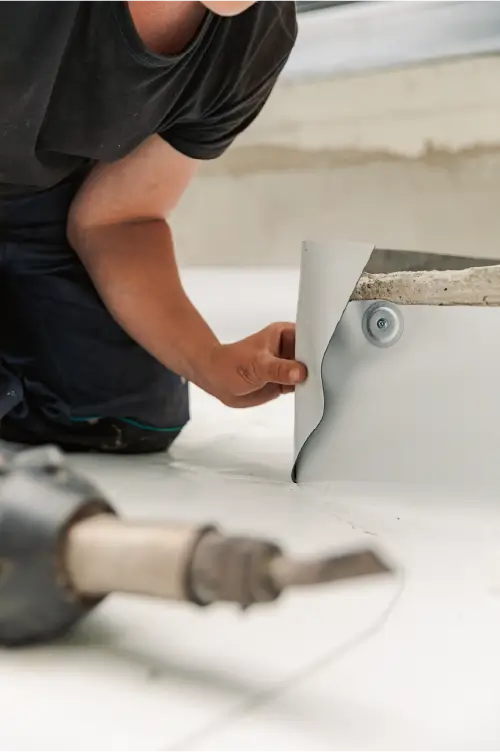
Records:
x=383, y=324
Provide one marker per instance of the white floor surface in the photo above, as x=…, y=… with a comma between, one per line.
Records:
x=405, y=663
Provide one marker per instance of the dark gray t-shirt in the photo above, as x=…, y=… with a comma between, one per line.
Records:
x=78, y=85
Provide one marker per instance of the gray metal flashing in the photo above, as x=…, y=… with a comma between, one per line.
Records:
x=359, y=38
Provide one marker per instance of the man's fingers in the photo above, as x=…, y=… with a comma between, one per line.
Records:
x=281, y=371
x=287, y=343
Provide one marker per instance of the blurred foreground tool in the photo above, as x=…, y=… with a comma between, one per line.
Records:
x=63, y=549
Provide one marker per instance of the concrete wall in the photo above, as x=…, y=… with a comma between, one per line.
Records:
x=406, y=159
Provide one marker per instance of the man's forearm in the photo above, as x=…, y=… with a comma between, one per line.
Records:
x=134, y=270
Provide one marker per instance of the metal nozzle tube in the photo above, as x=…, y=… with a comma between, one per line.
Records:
x=185, y=562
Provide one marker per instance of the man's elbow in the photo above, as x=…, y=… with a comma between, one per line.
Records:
x=86, y=223
x=77, y=228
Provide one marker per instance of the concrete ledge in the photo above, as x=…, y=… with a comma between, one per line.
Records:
x=471, y=287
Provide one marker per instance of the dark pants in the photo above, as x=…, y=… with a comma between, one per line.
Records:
x=69, y=374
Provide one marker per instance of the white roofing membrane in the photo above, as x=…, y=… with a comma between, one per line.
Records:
x=404, y=663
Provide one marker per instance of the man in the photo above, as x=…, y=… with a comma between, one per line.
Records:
x=107, y=109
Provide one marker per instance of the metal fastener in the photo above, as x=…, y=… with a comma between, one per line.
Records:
x=383, y=324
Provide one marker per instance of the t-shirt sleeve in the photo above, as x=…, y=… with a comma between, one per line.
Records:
x=209, y=136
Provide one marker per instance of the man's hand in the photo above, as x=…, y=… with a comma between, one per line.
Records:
x=256, y=369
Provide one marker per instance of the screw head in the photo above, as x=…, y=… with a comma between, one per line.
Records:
x=383, y=324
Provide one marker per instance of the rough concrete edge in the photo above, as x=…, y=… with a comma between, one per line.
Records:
x=476, y=286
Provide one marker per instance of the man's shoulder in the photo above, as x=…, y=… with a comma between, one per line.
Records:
x=282, y=16
x=273, y=25
x=245, y=58
x=257, y=45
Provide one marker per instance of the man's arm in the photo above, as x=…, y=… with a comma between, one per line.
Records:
x=117, y=224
